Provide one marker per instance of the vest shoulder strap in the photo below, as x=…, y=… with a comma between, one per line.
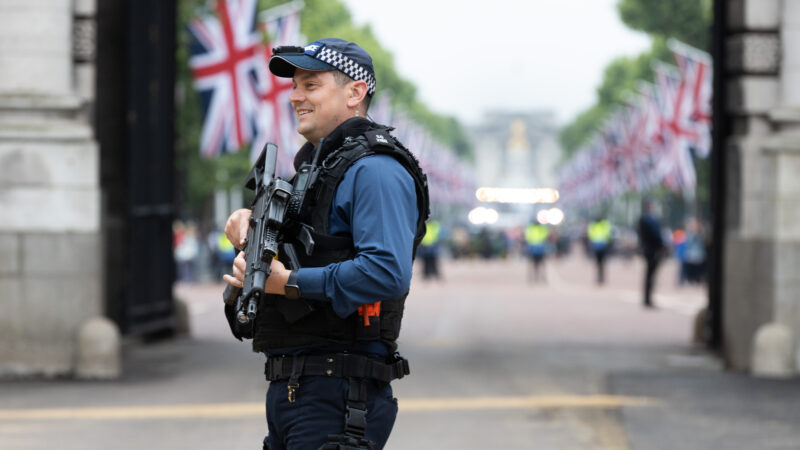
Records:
x=377, y=141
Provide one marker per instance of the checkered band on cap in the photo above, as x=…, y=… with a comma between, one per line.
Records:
x=351, y=68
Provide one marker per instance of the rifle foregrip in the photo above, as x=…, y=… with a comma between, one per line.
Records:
x=230, y=294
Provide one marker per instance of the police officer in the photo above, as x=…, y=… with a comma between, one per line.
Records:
x=536, y=239
x=599, y=233
x=329, y=371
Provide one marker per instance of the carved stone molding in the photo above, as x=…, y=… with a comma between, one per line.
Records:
x=84, y=41
x=754, y=53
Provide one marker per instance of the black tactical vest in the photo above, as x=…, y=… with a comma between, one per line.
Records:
x=322, y=327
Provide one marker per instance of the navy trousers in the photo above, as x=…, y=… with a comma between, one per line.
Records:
x=319, y=410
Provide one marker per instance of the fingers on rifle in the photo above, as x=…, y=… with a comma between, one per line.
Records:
x=239, y=263
x=233, y=281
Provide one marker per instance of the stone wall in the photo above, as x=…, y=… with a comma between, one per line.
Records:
x=50, y=272
x=762, y=244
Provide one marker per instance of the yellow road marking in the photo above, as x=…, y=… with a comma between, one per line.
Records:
x=215, y=410
x=244, y=410
x=542, y=402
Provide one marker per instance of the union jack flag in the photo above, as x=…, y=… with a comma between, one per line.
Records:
x=654, y=138
x=609, y=156
x=625, y=126
x=676, y=165
x=227, y=60
x=696, y=71
x=650, y=140
x=276, y=119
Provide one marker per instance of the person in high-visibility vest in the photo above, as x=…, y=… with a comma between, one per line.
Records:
x=224, y=253
x=536, y=239
x=429, y=250
x=599, y=233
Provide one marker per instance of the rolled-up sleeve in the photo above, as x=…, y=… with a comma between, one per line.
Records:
x=376, y=203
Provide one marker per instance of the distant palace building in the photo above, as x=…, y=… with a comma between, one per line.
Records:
x=516, y=150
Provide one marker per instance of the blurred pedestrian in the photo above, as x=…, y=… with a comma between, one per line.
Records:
x=536, y=249
x=679, y=250
x=186, y=252
x=223, y=253
x=561, y=243
x=484, y=244
x=694, y=255
x=652, y=243
x=430, y=249
x=459, y=242
x=599, y=233
x=178, y=234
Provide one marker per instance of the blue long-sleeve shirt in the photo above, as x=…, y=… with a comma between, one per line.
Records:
x=375, y=203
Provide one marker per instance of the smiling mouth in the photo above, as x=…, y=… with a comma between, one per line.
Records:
x=302, y=112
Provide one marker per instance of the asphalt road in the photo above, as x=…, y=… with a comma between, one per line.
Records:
x=497, y=363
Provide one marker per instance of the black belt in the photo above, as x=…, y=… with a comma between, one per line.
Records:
x=343, y=365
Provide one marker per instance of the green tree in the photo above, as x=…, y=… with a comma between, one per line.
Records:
x=577, y=132
x=688, y=21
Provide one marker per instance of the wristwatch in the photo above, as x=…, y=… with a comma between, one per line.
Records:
x=291, y=288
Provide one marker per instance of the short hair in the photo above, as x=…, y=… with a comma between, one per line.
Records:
x=342, y=79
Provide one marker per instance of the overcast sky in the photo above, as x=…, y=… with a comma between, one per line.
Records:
x=466, y=57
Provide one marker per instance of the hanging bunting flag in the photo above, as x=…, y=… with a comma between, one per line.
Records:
x=650, y=140
x=696, y=71
x=227, y=59
x=277, y=122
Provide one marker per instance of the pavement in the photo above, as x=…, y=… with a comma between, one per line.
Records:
x=497, y=362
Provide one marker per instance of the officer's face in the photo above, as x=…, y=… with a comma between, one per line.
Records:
x=319, y=102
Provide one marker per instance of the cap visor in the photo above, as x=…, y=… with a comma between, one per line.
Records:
x=284, y=66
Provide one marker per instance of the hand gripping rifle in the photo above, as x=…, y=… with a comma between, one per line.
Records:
x=272, y=198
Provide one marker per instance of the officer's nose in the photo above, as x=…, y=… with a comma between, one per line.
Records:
x=295, y=96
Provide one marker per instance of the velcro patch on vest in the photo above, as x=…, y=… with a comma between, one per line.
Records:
x=379, y=138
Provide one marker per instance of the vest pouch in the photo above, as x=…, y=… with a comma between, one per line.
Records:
x=320, y=327
x=391, y=317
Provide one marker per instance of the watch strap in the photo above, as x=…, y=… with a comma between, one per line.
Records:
x=291, y=288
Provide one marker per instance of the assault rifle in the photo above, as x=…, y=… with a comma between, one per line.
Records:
x=274, y=198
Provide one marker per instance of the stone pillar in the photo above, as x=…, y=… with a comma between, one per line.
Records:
x=762, y=245
x=50, y=272
x=36, y=52
x=783, y=149
x=751, y=90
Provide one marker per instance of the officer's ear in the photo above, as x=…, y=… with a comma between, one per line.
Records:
x=357, y=90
